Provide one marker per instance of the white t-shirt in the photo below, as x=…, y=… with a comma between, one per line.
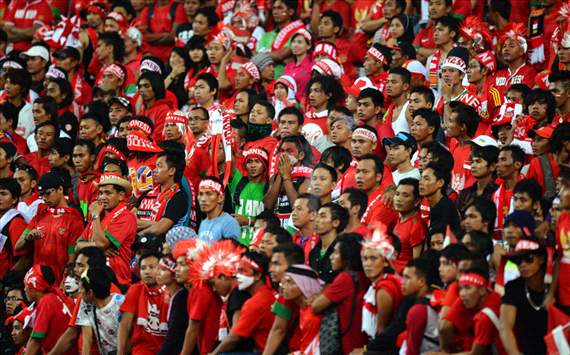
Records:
x=397, y=176
x=108, y=319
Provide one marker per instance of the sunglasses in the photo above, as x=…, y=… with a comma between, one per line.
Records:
x=527, y=258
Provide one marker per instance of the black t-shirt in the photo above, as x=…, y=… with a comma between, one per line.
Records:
x=177, y=207
x=184, y=31
x=69, y=124
x=322, y=264
x=444, y=214
x=530, y=324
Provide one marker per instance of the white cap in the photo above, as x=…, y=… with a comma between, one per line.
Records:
x=416, y=67
x=38, y=51
x=485, y=141
x=134, y=34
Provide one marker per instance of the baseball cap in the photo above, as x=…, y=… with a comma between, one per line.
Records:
x=522, y=219
x=403, y=138
x=484, y=141
x=136, y=35
x=542, y=132
x=67, y=52
x=37, y=51
x=50, y=180
x=416, y=67
x=124, y=102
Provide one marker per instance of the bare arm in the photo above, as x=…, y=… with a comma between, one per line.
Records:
x=385, y=310
x=321, y=303
x=276, y=335
x=191, y=337
x=66, y=341
x=228, y=344
x=33, y=347
x=223, y=80
x=417, y=251
x=508, y=318
x=20, y=34
x=446, y=335
x=125, y=328
x=160, y=38
x=86, y=340
x=280, y=55
x=160, y=227
x=270, y=198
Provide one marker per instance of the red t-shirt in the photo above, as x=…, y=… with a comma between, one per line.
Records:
x=198, y=164
x=464, y=8
x=205, y=306
x=343, y=9
x=162, y=22
x=14, y=230
x=61, y=228
x=157, y=113
x=504, y=78
x=461, y=176
x=424, y=38
x=288, y=311
x=41, y=165
x=411, y=233
x=341, y=292
x=309, y=327
x=451, y=294
x=535, y=170
x=25, y=14
x=87, y=192
x=150, y=309
x=17, y=140
x=256, y=319
x=378, y=211
x=50, y=321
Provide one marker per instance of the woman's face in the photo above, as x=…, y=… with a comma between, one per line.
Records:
x=299, y=46
x=396, y=28
x=216, y=52
x=336, y=259
x=197, y=55
x=175, y=60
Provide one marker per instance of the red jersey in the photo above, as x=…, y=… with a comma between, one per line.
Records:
x=149, y=308
x=411, y=233
x=315, y=125
x=491, y=101
x=41, y=165
x=205, y=306
x=464, y=8
x=81, y=89
x=309, y=327
x=24, y=14
x=17, y=140
x=60, y=229
x=424, y=38
x=563, y=246
x=162, y=22
x=379, y=81
x=255, y=319
x=120, y=227
x=377, y=211
x=535, y=170
x=461, y=173
x=87, y=192
x=197, y=164
x=504, y=78
x=157, y=113
x=51, y=317
x=343, y=9
x=12, y=225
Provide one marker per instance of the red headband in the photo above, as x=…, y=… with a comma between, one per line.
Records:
x=487, y=59
x=473, y=279
x=251, y=70
x=176, y=117
x=167, y=264
x=140, y=125
x=325, y=48
x=99, y=11
x=527, y=245
x=35, y=280
x=138, y=142
x=376, y=54
x=361, y=132
x=212, y=186
x=115, y=70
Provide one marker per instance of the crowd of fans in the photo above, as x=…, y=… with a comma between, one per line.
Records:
x=285, y=177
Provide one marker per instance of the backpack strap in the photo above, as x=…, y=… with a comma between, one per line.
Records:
x=239, y=188
x=549, y=183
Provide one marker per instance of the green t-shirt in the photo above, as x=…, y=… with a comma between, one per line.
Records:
x=264, y=45
x=250, y=203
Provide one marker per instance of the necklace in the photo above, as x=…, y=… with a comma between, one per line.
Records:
x=536, y=308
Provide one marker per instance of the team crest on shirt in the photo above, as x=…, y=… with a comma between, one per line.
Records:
x=61, y=230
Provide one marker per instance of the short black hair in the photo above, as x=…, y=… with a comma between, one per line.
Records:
x=561, y=76
x=378, y=164
x=281, y=234
x=174, y=158
x=340, y=157
x=441, y=173
x=66, y=90
x=293, y=252
x=338, y=213
x=522, y=88
x=426, y=92
x=269, y=109
x=291, y=4
x=451, y=23
x=210, y=80
x=487, y=209
x=489, y=153
x=357, y=197
x=148, y=253
x=432, y=119
x=502, y=7
x=252, y=97
x=560, y=135
x=439, y=154
x=313, y=202
x=466, y=115
x=403, y=73
x=49, y=105
x=9, y=148
x=269, y=217
x=261, y=260
x=292, y=110
x=335, y=18
x=374, y=94
x=425, y=269
x=11, y=185
x=328, y=168
x=349, y=247
x=95, y=256
x=157, y=83
x=48, y=274
x=531, y=187
x=517, y=153
x=48, y=123
x=455, y=252
x=22, y=78
x=542, y=96
x=88, y=144
x=482, y=242
x=115, y=40
x=28, y=169
x=10, y=113
x=210, y=14
x=120, y=163
x=413, y=183
x=98, y=280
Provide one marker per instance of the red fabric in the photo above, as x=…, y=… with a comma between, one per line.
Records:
x=135, y=65
x=309, y=326
x=256, y=319
x=341, y=293
x=523, y=75
x=24, y=14
x=7, y=256
x=157, y=113
x=129, y=80
x=343, y=9
x=17, y=140
x=463, y=8
x=295, y=341
x=461, y=176
x=563, y=246
x=416, y=322
x=205, y=306
x=535, y=170
x=424, y=38
x=87, y=192
x=379, y=212
x=490, y=103
x=451, y=294
x=383, y=130
x=197, y=166
x=392, y=285
x=145, y=338
x=411, y=233
x=60, y=233
x=41, y=165
x=51, y=319
x=81, y=89
x=162, y=22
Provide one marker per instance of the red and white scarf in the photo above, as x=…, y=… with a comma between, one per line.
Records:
x=433, y=68
x=286, y=33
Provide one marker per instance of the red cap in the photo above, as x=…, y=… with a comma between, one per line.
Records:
x=542, y=132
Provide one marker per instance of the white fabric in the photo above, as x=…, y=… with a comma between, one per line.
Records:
x=369, y=320
x=401, y=124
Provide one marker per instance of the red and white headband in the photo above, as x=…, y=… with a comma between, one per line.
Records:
x=247, y=262
x=364, y=133
x=150, y=66
x=473, y=279
x=133, y=124
x=176, y=117
x=115, y=70
x=384, y=247
x=251, y=70
x=327, y=49
x=487, y=59
x=306, y=35
x=376, y=54
x=55, y=73
x=456, y=63
x=212, y=186
x=527, y=245
x=255, y=153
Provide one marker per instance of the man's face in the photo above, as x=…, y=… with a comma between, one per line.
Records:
x=241, y=104
x=506, y=165
x=317, y=96
x=564, y=55
x=4, y=160
x=367, y=179
x=116, y=113
x=480, y=168
x=540, y=145
x=292, y=150
x=109, y=197
x=505, y=134
x=164, y=277
x=172, y=132
x=371, y=65
x=25, y=181
x=398, y=59
x=45, y=137
x=326, y=28
x=258, y=115
x=82, y=159
x=515, y=96
x=289, y=289
x=124, y=130
x=447, y=270
x=111, y=82
x=522, y=201
x=13, y=90
x=474, y=71
x=198, y=122
x=451, y=76
x=451, y=125
x=277, y=267
x=215, y=52
x=473, y=220
x=366, y=110
x=437, y=241
x=103, y=51
x=93, y=20
x=90, y=129
x=209, y=200
x=512, y=234
x=222, y=285
x=39, y=114
x=190, y=7
x=340, y=133
x=429, y=184
x=203, y=93
x=437, y=9
x=18, y=333
x=442, y=35
x=288, y=126
x=404, y=200
x=200, y=25
x=301, y=215
x=324, y=222
x=52, y=197
x=268, y=242
x=35, y=65
x=395, y=86
x=243, y=80
x=417, y=101
x=149, y=270
x=361, y=146
x=280, y=12
x=181, y=270
x=512, y=50
x=537, y=110
x=344, y=202
x=254, y=168
x=67, y=64
x=470, y=295
x=373, y=263
x=420, y=129
x=80, y=265
x=13, y=299
x=412, y=283
x=55, y=159
x=111, y=25
x=322, y=183
x=162, y=173
x=145, y=90
x=398, y=154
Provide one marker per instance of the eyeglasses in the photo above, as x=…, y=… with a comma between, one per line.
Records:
x=527, y=258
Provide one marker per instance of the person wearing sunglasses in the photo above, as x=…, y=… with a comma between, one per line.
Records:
x=523, y=311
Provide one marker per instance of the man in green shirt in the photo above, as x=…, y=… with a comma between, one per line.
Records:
x=247, y=191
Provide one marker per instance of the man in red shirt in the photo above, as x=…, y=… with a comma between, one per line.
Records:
x=509, y=165
x=45, y=136
x=112, y=225
x=424, y=41
x=255, y=319
x=155, y=106
x=475, y=316
x=23, y=19
x=410, y=228
x=55, y=228
x=83, y=159
x=305, y=210
x=52, y=309
x=144, y=312
x=514, y=52
x=376, y=64
x=12, y=224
